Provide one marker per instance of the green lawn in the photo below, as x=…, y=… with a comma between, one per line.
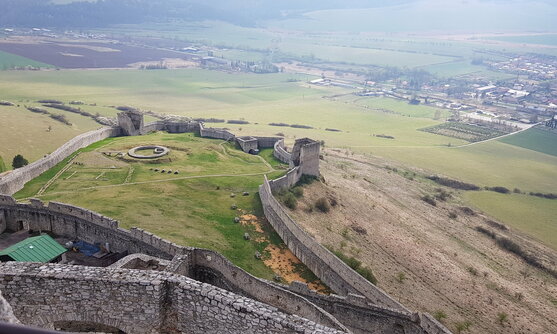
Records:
x=532, y=215
x=10, y=61
x=539, y=140
x=190, y=208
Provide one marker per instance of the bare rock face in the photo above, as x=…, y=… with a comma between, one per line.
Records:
x=6, y=312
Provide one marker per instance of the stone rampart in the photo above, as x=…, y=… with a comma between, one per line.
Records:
x=360, y=316
x=280, y=152
x=137, y=301
x=78, y=223
x=329, y=268
x=241, y=282
x=266, y=142
x=286, y=181
x=216, y=133
x=14, y=181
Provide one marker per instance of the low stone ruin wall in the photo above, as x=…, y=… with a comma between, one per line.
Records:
x=329, y=268
x=137, y=301
x=14, y=181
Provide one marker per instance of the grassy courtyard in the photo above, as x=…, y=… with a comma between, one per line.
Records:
x=193, y=207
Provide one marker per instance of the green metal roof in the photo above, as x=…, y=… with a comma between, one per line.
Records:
x=35, y=249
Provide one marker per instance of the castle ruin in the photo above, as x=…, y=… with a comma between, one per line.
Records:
x=193, y=290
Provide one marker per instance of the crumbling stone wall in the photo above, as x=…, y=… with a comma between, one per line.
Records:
x=131, y=123
x=137, y=301
x=14, y=181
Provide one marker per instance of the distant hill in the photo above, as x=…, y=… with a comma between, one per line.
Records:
x=344, y=15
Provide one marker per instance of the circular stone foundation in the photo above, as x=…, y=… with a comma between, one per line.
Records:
x=158, y=151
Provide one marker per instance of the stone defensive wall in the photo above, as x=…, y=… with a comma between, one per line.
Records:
x=137, y=301
x=329, y=268
x=77, y=223
x=363, y=317
x=280, y=152
x=216, y=133
x=16, y=179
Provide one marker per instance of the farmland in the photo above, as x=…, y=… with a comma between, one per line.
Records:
x=80, y=54
x=190, y=208
x=536, y=139
x=532, y=215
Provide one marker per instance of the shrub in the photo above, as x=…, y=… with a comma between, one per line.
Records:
x=439, y=315
x=306, y=179
x=401, y=277
x=463, y=326
x=502, y=317
x=19, y=161
x=472, y=271
x=297, y=191
x=497, y=225
x=453, y=215
x=356, y=265
x=501, y=190
x=236, y=121
x=429, y=200
x=510, y=245
x=453, y=183
x=487, y=232
x=290, y=200
x=322, y=204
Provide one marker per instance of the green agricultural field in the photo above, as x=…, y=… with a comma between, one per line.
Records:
x=532, y=215
x=10, y=61
x=190, y=208
x=539, y=140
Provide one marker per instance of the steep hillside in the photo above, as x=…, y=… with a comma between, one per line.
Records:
x=431, y=258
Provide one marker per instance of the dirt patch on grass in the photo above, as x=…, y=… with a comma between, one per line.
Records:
x=289, y=267
x=253, y=220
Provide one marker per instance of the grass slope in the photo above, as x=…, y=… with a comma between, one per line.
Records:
x=536, y=140
x=2, y=165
